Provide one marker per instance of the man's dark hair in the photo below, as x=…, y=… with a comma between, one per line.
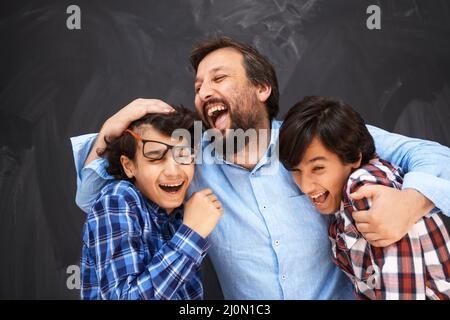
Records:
x=257, y=67
x=126, y=144
x=340, y=129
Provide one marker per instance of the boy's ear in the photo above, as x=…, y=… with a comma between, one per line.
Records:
x=357, y=164
x=128, y=166
x=263, y=92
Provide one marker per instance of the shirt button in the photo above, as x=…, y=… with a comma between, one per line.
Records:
x=284, y=277
x=277, y=242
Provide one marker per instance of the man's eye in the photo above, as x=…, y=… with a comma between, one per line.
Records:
x=316, y=169
x=219, y=78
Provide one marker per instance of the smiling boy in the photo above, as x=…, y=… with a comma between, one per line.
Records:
x=331, y=154
x=263, y=248
x=139, y=241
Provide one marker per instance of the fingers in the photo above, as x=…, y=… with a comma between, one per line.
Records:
x=206, y=192
x=152, y=105
x=366, y=191
x=216, y=202
x=212, y=197
x=219, y=206
x=364, y=227
x=362, y=216
x=157, y=106
x=376, y=240
x=140, y=107
x=135, y=110
x=372, y=237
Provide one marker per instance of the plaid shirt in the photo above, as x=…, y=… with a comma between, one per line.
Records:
x=133, y=250
x=416, y=267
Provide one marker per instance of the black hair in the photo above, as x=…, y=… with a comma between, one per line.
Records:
x=341, y=130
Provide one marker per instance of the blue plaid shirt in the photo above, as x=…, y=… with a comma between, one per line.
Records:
x=133, y=250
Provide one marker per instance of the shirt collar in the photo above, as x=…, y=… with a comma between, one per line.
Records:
x=345, y=226
x=269, y=154
x=160, y=216
x=267, y=157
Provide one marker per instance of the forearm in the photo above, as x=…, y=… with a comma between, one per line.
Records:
x=424, y=162
x=174, y=264
x=421, y=204
x=98, y=145
x=412, y=155
x=426, y=194
x=144, y=286
x=91, y=177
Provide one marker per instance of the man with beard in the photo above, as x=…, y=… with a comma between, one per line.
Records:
x=271, y=243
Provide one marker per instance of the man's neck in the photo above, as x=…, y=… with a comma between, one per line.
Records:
x=252, y=153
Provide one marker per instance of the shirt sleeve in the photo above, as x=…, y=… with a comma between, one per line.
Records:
x=113, y=238
x=91, y=178
x=354, y=185
x=424, y=162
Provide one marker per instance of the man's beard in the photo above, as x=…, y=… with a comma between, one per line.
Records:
x=245, y=115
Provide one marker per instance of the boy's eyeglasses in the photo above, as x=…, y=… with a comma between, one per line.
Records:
x=156, y=150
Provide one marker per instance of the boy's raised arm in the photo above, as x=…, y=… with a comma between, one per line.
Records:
x=90, y=168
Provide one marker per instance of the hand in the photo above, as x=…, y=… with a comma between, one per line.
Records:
x=392, y=214
x=116, y=125
x=202, y=212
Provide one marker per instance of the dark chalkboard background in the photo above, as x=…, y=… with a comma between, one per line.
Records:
x=56, y=83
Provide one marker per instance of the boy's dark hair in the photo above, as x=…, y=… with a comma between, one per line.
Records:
x=257, y=67
x=126, y=144
x=340, y=128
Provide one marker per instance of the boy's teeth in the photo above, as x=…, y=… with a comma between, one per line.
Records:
x=171, y=185
x=319, y=198
x=318, y=195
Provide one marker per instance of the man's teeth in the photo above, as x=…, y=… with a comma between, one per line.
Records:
x=214, y=109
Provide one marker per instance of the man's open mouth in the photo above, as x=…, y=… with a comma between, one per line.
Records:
x=171, y=187
x=217, y=114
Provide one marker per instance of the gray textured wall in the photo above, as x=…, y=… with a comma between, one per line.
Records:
x=56, y=83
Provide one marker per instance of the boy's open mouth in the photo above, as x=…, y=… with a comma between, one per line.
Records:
x=319, y=198
x=171, y=187
x=217, y=115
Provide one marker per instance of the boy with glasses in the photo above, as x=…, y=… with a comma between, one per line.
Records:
x=139, y=241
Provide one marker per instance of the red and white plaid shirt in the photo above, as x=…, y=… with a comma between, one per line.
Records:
x=416, y=267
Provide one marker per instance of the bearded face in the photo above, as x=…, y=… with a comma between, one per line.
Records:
x=225, y=98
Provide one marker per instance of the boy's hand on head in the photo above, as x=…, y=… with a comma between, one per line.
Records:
x=392, y=214
x=202, y=212
x=116, y=125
